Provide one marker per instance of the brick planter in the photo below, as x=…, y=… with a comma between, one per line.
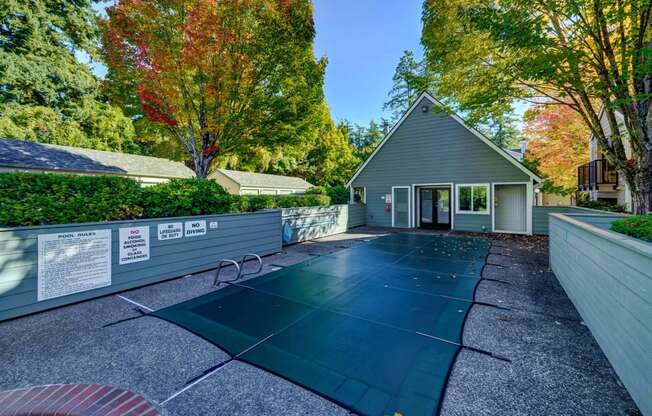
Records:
x=74, y=400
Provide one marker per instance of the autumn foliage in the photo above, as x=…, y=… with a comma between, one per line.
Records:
x=216, y=73
x=558, y=143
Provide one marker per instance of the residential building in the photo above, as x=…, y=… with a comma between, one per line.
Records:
x=598, y=179
x=26, y=156
x=248, y=183
x=432, y=170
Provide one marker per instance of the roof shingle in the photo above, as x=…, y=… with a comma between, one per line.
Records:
x=31, y=155
x=264, y=180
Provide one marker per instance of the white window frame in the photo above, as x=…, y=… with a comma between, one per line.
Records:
x=364, y=194
x=267, y=191
x=409, y=188
x=457, y=198
x=249, y=189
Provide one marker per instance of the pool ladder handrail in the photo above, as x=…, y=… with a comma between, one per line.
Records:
x=239, y=267
x=252, y=256
x=221, y=264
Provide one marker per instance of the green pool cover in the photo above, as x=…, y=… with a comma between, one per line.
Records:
x=375, y=328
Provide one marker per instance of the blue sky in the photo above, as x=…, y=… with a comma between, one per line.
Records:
x=364, y=40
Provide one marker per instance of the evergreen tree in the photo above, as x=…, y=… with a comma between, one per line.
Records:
x=46, y=93
x=503, y=131
x=410, y=79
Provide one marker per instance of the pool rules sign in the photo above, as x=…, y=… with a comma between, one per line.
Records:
x=134, y=244
x=73, y=262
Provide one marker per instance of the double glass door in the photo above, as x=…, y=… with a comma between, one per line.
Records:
x=435, y=207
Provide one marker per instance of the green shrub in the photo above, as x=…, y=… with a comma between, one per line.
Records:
x=37, y=198
x=185, y=197
x=601, y=205
x=250, y=203
x=316, y=190
x=339, y=194
x=639, y=226
x=295, y=201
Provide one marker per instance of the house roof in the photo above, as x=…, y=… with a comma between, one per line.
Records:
x=515, y=153
x=264, y=180
x=30, y=155
x=510, y=158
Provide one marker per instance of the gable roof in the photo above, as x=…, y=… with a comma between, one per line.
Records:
x=31, y=155
x=457, y=118
x=264, y=180
x=515, y=153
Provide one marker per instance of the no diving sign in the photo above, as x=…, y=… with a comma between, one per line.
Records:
x=195, y=228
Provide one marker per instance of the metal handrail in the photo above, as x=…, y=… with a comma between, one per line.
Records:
x=251, y=256
x=217, y=281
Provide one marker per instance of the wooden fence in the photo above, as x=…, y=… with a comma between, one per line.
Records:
x=608, y=277
x=43, y=267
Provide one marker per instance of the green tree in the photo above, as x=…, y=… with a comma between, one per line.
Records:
x=228, y=79
x=592, y=56
x=363, y=140
x=410, y=79
x=46, y=93
x=503, y=131
x=371, y=137
x=332, y=160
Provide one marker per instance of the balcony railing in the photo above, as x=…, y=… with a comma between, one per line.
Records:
x=592, y=175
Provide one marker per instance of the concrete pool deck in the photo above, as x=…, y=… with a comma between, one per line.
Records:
x=555, y=366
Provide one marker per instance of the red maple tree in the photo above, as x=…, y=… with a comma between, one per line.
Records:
x=559, y=142
x=210, y=72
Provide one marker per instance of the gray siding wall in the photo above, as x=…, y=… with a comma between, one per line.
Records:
x=432, y=148
x=357, y=215
x=540, y=215
x=479, y=223
x=303, y=224
x=608, y=277
x=236, y=235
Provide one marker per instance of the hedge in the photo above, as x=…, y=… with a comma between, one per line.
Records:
x=38, y=199
x=185, y=197
x=601, y=205
x=338, y=194
x=639, y=226
x=250, y=203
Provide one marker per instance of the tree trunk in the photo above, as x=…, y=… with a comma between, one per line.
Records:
x=202, y=170
x=202, y=163
x=642, y=189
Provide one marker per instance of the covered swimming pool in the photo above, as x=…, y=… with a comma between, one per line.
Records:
x=375, y=328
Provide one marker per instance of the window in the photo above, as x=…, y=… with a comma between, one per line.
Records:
x=473, y=199
x=268, y=192
x=245, y=191
x=359, y=195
